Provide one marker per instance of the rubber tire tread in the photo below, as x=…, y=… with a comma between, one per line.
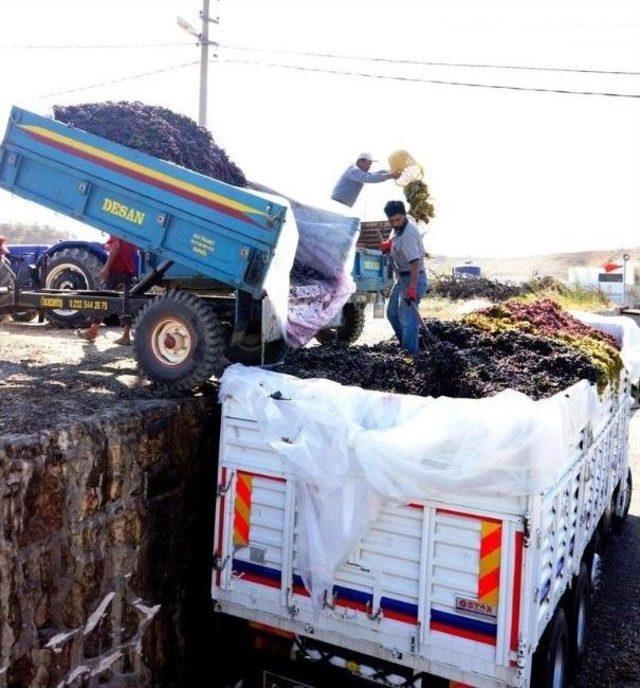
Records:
x=581, y=587
x=354, y=318
x=544, y=657
x=90, y=266
x=207, y=332
x=618, y=522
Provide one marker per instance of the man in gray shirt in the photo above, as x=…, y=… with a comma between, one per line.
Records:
x=407, y=251
x=350, y=184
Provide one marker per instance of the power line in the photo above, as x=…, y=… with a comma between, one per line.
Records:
x=95, y=47
x=132, y=77
x=363, y=58
x=433, y=81
x=427, y=63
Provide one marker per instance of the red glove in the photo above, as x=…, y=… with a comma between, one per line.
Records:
x=411, y=294
x=385, y=246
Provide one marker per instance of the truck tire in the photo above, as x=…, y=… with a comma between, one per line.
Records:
x=619, y=521
x=593, y=559
x=353, y=316
x=551, y=659
x=579, y=612
x=72, y=268
x=178, y=342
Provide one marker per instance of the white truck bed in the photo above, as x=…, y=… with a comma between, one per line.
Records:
x=459, y=587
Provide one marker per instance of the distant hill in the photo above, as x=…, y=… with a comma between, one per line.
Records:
x=555, y=264
x=33, y=234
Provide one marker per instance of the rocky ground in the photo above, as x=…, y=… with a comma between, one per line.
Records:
x=49, y=376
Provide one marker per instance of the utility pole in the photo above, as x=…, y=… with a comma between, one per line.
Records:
x=204, y=63
x=204, y=42
x=204, y=60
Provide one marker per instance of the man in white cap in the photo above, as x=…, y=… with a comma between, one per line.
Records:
x=350, y=184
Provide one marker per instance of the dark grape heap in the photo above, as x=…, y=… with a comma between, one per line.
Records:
x=156, y=131
x=462, y=362
x=471, y=287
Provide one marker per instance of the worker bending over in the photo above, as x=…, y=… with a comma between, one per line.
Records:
x=350, y=184
x=407, y=252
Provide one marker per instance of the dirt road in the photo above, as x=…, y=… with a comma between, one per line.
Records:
x=51, y=377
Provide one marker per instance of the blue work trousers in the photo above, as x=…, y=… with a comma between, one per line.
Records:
x=402, y=317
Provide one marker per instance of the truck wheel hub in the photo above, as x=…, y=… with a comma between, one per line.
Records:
x=171, y=342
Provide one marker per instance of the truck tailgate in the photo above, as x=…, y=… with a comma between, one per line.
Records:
x=429, y=586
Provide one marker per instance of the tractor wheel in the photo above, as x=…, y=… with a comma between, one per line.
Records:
x=353, y=320
x=178, y=342
x=71, y=269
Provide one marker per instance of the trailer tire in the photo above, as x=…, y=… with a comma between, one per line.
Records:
x=72, y=268
x=350, y=331
x=619, y=521
x=551, y=659
x=251, y=354
x=579, y=613
x=178, y=342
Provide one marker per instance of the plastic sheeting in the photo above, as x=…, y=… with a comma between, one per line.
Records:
x=625, y=330
x=323, y=242
x=353, y=451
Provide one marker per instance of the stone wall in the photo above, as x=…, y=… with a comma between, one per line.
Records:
x=105, y=532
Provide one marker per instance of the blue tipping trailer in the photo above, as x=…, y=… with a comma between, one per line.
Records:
x=225, y=234
x=217, y=230
x=187, y=222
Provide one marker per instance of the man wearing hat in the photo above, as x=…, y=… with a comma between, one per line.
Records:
x=350, y=184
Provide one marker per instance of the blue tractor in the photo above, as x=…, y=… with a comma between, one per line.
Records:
x=69, y=265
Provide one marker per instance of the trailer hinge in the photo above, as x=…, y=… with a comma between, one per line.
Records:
x=292, y=607
x=415, y=640
x=526, y=522
x=223, y=489
x=219, y=564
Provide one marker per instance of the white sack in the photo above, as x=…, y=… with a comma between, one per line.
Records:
x=321, y=240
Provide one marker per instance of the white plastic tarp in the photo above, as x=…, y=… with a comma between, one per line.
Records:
x=353, y=451
x=322, y=241
x=625, y=330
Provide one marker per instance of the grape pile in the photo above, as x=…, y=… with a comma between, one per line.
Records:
x=454, y=287
x=534, y=348
x=462, y=362
x=545, y=318
x=156, y=131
